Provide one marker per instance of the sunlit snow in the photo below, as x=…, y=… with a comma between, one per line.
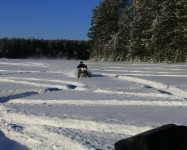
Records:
x=44, y=106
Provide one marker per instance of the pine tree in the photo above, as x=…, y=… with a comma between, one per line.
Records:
x=137, y=48
x=124, y=31
x=169, y=32
x=104, y=27
x=145, y=13
x=94, y=34
x=5, y=47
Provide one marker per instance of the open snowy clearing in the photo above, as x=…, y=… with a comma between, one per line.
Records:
x=45, y=107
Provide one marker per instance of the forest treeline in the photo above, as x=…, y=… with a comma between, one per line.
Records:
x=121, y=30
x=37, y=48
x=139, y=30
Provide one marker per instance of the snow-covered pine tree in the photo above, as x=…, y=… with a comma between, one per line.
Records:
x=156, y=7
x=140, y=36
x=104, y=27
x=169, y=32
x=124, y=30
x=117, y=45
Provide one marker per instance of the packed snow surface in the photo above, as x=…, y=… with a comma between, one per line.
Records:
x=44, y=106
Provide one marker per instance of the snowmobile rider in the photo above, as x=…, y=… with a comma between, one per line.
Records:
x=81, y=65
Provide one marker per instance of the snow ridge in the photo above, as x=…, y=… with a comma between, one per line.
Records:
x=44, y=106
x=175, y=91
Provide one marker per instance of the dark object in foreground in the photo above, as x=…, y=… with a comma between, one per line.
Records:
x=167, y=137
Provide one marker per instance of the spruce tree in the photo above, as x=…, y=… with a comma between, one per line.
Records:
x=137, y=48
x=169, y=32
x=124, y=31
x=140, y=36
x=104, y=27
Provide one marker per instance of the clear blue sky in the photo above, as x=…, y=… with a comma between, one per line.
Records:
x=47, y=19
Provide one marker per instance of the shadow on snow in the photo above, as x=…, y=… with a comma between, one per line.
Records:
x=7, y=144
x=160, y=91
x=5, y=99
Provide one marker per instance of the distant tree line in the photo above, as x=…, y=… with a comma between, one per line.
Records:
x=139, y=30
x=24, y=48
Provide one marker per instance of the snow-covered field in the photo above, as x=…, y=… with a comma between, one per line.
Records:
x=43, y=106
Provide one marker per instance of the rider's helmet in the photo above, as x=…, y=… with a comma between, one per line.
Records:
x=81, y=62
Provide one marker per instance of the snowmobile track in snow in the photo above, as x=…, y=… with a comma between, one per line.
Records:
x=44, y=106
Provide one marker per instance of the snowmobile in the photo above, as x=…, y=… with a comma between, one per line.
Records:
x=83, y=72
